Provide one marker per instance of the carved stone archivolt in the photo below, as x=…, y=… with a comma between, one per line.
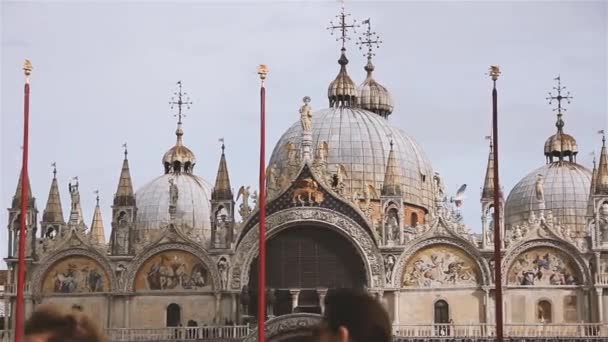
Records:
x=577, y=261
x=193, y=249
x=247, y=249
x=483, y=278
x=46, y=264
x=292, y=325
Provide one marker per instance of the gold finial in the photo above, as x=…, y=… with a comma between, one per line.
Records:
x=27, y=67
x=262, y=71
x=494, y=72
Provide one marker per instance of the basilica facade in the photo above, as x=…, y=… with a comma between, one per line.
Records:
x=353, y=201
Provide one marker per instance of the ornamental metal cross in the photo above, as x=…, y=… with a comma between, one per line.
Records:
x=342, y=26
x=369, y=39
x=182, y=101
x=559, y=97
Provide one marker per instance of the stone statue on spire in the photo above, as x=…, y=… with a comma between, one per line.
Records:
x=306, y=115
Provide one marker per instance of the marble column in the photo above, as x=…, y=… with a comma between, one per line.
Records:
x=600, y=304
x=109, y=312
x=397, y=298
x=295, y=297
x=218, y=301
x=127, y=312
x=322, y=293
x=234, y=308
x=486, y=304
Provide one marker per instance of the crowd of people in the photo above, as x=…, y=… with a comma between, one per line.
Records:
x=349, y=316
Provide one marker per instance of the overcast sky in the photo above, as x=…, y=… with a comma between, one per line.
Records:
x=104, y=73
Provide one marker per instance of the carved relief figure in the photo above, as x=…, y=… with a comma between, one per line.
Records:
x=292, y=154
x=244, y=208
x=222, y=227
x=322, y=152
x=392, y=226
x=389, y=265
x=222, y=266
x=439, y=266
x=74, y=194
x=603, y=222
x=338, y=179
x=76, y=275
x=272, y=179
x=540, y=190
x=542, y=266
x=173, y=193
x=306, y=115
x=172, y=271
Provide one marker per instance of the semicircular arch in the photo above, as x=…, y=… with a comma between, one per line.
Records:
x=544, y=262
x=248, y=248
x=182, y=258
x=76, y=270
x=449, y=263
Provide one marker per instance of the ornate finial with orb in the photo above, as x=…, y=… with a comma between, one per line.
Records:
x=494, y=72
x=263, y=72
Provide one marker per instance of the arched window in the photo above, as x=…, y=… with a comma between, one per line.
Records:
x=543, y=312
x=442, y=312
x=414, y=220
x=174, y=313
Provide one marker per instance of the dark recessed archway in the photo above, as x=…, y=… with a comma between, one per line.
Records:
x=307, y=258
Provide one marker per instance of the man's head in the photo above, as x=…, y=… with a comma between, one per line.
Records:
x=353, y=316
x=48, y=324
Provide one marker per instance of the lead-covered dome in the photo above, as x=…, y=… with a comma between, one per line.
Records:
x=192, y=205
x=360, y=141
x=565, y=191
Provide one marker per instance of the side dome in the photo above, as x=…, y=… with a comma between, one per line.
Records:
x=565, y=190
x=193, y=206
x=360, y=141
x=373, y=96
x=560, y=144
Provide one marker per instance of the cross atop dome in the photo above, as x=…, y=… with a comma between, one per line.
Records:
x=369, y=39
x=182, y=103
x=179, y=158
x=559, y=97
x=342, y=25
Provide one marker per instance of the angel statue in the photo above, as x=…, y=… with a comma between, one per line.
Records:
x=306, y=115
x=245, y=209
x=74, y=193
x=458, y=200
x=322, y=152
x=369, y=192
x=540, y=190
x=173, y=192
x=337, y=179
x=254, y=198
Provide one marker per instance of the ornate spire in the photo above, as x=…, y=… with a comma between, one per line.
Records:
x=179, y=158
x=17, y=197
x=487, y=193
x=222, y=189
x=124, y=195
x=96, y=234
x=391, y=186
x=372, y=95
x=560, y=145
x=601, y=185
x=590, y=205
x=53, y=213
x=342, y=91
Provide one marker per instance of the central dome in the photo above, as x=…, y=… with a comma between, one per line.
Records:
x=360, y=141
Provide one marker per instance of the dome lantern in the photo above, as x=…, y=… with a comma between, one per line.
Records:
x=372, y=95
x=342, y=91
x=179, y=158
x=560, y=144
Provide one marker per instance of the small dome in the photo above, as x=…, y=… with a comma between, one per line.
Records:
x=561, y=144
x=373, y=96
x=361, y=141
x=342, y=92
x=179, y=158
x=566, y=191
x=192, y=209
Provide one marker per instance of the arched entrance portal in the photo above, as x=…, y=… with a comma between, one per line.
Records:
x=302, y=260
x=174, y=315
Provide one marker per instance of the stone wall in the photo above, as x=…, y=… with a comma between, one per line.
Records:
x=465, y=305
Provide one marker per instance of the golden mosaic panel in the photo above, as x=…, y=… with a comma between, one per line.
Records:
x=440, y=266
x=173, y=270
x=76, y=274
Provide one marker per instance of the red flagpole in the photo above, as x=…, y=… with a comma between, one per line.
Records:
x=27, y=68
x=494, y=73
x=262, y=71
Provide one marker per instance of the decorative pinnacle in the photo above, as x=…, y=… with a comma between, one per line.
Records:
x=603, y=133
x=559, y=96
x=342, y=26
x=489, y=138
x=27, y=68
x=369, y=39
x=494, y=72
x=125, y=147
x=182, y=101
x=223, y=146
x=96, y=192
x=263, y=72
x=54, y=166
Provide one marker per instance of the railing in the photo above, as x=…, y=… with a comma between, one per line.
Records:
x=513, y=330
x=601, y=279
x=219, y=333
x=6, y=335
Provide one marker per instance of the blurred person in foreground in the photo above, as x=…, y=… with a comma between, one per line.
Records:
x=353, y=316
x=49, y=324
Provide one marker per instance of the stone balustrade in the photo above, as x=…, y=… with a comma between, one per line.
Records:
x=601, y=279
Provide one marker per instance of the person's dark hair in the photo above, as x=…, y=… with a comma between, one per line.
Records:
x=357, y=311
x=60, y=326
